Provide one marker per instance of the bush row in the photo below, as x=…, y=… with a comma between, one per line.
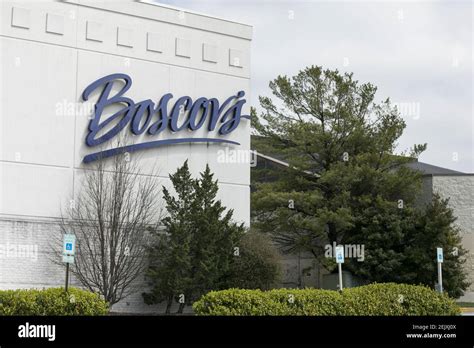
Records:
x=53, y=301
x=373, y=299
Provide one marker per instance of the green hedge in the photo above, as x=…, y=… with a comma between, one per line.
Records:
x=53, y=301
x=373, y=299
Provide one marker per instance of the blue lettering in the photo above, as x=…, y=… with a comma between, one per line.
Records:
x=180, y=107
x=94, y=125
x=161, y=111
x=140, y=116
x=199, y=104
x=144, y=107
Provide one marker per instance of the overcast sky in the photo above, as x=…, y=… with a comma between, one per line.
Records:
x=418, y=53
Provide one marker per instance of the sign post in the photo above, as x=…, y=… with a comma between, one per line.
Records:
x=340, y=261
x=69, y=247
x=440, y=259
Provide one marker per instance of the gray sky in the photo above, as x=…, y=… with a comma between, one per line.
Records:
x=418, y=53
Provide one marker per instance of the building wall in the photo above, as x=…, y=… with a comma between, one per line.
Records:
x=460, y=190
x=49, y=52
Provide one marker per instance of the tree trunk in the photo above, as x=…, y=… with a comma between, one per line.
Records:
x=169, y=302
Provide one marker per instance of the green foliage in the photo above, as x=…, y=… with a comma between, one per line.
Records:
x=257, y=265
x=52, y=301
x=194, y=253
x=170, y=259
x=374, y=299
x=339, y=144
x=344, y=182
x=400, y=245
x=435, y=228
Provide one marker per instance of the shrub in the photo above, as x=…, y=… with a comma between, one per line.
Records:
x=258, y=265
x=373, y=299
x=53, y=301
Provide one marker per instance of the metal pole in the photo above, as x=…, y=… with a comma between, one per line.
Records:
x=340, y=276
x=440, y=278
x=67, y=276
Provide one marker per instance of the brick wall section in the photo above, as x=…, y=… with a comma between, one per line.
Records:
x=36, y=268
x=460, y=190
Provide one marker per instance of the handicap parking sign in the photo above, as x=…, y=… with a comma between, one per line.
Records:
x=69, y=244
x=439, y=254
x=340, y=254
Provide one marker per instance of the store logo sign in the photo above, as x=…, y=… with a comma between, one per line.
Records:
x=150, y=118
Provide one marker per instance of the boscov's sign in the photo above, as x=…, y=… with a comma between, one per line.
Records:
x=150, y=118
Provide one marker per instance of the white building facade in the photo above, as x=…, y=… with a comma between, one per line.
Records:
x=51, y=51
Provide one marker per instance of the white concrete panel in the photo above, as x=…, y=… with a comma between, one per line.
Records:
x=209, y=53
x=186, y=52
x=159, y=12
x=21, y=17
x=33, y=190
x=55, y=24
x=236, y=58
x=125, y=37
x=39, y=24
x=38, y=86
x=236, y=197
x=76, y=18
x=155, y=42
x=226, y=160
x=177, y=155
x=183, y=48
x=95, y=31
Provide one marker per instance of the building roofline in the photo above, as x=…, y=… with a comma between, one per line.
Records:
x=169, y=14
x=197, y=13
x=280, y=162
x=450, y=174
x=286, y=164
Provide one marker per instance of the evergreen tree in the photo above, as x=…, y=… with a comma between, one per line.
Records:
x=344, y=182
x=435, y=228
x=193, y=255
x=400, y=245
x=169, y=271
x=215, y=240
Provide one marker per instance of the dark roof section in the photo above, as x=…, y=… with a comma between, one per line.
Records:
x=259, y=143
x=428, y=169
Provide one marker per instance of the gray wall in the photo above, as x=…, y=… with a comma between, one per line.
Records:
x=460, y=190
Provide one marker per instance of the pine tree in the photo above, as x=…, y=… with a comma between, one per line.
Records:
x=194, y=253
x=216, y=237
x=344, y=182
x=169, y=271
x=436, y=227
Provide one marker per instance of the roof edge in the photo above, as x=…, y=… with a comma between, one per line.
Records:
x=168, y=14
x=197, y=13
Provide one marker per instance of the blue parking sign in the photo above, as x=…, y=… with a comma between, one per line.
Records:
x=439, y=254
x=69, y=244
x=340, y=254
